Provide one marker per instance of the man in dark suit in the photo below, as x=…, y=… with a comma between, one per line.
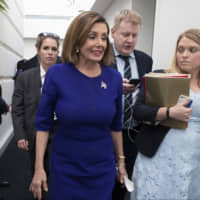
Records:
x=132, y=64
x=26, y=98
x=4, y=108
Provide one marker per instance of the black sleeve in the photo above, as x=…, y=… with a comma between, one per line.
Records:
x=142, y=111
x=18, y=108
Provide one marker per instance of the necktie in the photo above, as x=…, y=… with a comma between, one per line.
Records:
x=128, y=97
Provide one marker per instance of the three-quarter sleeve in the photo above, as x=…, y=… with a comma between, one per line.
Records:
x=117, y=120
x=45, y=111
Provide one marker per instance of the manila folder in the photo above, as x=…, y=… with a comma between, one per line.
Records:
x=165, y=91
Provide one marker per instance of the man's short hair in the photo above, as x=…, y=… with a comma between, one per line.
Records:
x=128, y=16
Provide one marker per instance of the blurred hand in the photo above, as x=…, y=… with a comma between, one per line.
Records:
x=23, y=144
x=181, y=112
x=127, y=87
x=121, y=172
x=8, y=108
x=39, y=183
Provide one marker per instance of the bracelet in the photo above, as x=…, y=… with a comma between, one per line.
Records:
x=167, y=112
x=121, y=157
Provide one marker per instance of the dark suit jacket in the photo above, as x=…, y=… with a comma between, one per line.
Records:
x=144, y=63
x=150, y=136
x=34, y=62
x=29, y=64
x=25, y=100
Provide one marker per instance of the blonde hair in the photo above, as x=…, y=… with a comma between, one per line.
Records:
x=192, y=34
x=77, y=34
x=128, y=16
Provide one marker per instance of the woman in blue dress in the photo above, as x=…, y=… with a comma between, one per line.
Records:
x=86, y=98
x=168, y=165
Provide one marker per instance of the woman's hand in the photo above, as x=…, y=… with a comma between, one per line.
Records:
x=39, y=183
x=121, y=172
x=180, y=112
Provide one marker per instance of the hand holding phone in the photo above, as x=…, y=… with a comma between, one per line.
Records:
x=134, y=81
x=182, y=98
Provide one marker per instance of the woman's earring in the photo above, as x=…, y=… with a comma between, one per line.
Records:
x=77, y=50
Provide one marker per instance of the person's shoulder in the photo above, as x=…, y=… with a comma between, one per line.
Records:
x=28, y=75
x=141, y=53
x=109, y=69
x=112, y=72
x=31, y=63
x=29, y=72
x=58, y=67
x=21, y=63
x=32, y=59
x=56, y=71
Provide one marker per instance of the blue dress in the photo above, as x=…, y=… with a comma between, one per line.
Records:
x=82, y=156
x=174, y=172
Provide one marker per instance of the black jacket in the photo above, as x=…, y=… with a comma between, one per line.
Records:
x=23, y=65
x=150, y=136
x=25, y=100
x=144, y=63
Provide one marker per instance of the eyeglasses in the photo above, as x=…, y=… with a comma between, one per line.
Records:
x=49, y=34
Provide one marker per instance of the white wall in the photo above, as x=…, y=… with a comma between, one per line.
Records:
x=34, y=24
x=147, y=11
x=115, y=7
x=29, y=48
x=52, y=18
x=11, y=50
x=172, y=18
x=49, y=16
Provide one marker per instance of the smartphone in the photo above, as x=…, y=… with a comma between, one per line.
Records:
x=183, y=98
x=134, y=81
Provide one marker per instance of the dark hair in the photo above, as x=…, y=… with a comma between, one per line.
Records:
x=77, y=34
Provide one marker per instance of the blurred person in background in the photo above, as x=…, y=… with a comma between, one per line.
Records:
x=25, y=64
x=27, y=94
